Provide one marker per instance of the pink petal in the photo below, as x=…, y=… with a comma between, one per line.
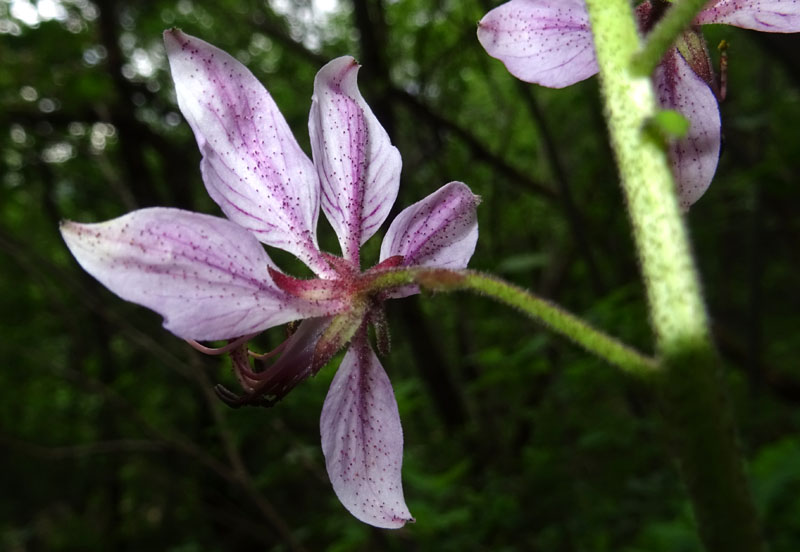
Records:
x=358, y=167
x=252, y=165
x=363, y=441
x=440, y=230
x=770, y=16
x=547, y=42
x=694, y=158
x=205, y=275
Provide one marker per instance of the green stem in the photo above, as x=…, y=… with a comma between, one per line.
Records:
x=552, y=316
x=676, y=19
x=693, y=398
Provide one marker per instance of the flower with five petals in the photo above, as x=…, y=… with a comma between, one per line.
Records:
x=211, y=279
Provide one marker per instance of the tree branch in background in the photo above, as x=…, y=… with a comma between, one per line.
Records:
x=571, y=211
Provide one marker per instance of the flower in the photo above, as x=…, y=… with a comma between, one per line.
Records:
x=549, y=42
x=211, y=279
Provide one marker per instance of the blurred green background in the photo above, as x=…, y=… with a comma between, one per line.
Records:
x=110, y=435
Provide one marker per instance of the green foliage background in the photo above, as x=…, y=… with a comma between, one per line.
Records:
x=111, y=437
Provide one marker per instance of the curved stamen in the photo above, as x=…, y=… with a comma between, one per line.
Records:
x=241, y=369
x=265, y=387
x=214, y=351
x=270, y=354
x=235, y=401
x=255, y=383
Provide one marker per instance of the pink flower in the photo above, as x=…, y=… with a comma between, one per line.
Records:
x=549, y=42
x=211, y=279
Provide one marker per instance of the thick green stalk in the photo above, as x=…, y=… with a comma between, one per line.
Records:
x=676, y=19
x=693, y=397
x=541, y=310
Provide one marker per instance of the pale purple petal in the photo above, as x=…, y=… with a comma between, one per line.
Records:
x=205, y=275
x=547, y=42
x=439, y=231
x=358, y=166
x=770, y=16
x=252, y=165
x=694, y=158
x=363, y=441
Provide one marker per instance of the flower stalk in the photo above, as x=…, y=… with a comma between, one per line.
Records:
x=554, y=317
x=676, y=19
x=698, y=415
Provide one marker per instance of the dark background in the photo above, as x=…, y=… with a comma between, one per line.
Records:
x=110, y=436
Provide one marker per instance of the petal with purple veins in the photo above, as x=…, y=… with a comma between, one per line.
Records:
x=440, y=231
x=769, y=16
x=358, y=167
x=547, y=42
x=205, y=275
x=694, y=158
x=252, y=165
x=363, y=441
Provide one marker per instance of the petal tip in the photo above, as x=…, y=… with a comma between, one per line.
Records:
x=174, y=37
x=387, y=519
x=394, y=521
x=70, y=231
x=339, y=70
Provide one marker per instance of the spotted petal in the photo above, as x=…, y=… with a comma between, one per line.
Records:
x=694, y=158
x=441, y=230
x=770, y=16
x=205, y=275
x=547, y=42
x=252, y=165
x=363, y=441
x=359, y=168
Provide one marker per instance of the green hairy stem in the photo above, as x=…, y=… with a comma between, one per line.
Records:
x=692, y=393
x=677, y=18
x=541, y=310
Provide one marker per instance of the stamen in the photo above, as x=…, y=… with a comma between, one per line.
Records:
x=253, y=383
x=270, y=354
x=241, y=369
x=236, y=401
x=215, y=351
x=250, y=399
x=277, y=376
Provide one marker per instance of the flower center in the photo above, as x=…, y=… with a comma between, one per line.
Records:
x=350, y=286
